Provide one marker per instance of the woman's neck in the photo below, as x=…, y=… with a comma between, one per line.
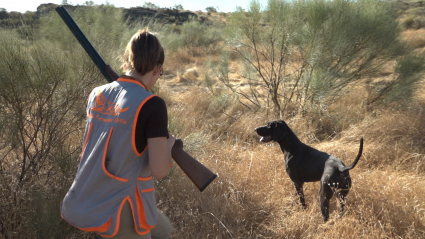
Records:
x=137, y=76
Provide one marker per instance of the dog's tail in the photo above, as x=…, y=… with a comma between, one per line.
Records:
x=346, y=168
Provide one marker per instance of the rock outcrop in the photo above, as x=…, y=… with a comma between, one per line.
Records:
x=136, y=13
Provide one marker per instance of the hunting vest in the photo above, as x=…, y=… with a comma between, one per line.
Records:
x=111, y=170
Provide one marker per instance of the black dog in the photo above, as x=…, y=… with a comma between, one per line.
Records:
x=306, y=164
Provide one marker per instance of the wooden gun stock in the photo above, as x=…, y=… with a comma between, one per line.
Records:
x=197, y=173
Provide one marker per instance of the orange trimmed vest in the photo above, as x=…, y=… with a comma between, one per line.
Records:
x=111, y=170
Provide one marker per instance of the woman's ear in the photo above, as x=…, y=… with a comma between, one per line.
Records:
x=124, y=67
x=157, y=70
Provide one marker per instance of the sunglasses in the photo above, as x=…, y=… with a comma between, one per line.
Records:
x=161, y=71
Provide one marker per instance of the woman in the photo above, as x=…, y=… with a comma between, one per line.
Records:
x=126, y=142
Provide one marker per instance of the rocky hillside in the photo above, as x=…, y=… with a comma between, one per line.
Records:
x=136, y=13
x=166, y=15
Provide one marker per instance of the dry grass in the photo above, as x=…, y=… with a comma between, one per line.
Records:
x=416, y=38
x=253, y=196
x=393, y=140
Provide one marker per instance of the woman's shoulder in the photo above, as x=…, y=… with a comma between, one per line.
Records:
x=155, y=103
x=156, y=100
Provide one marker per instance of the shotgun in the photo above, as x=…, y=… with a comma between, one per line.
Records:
x=197, y=173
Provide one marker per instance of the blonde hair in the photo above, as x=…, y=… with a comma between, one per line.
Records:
x=143, y=53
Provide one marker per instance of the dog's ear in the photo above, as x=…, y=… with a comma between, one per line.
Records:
x=279, y=130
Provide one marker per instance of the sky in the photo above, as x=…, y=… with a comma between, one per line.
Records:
x=192, y=5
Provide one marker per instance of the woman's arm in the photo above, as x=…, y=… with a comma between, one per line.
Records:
x=160, y=161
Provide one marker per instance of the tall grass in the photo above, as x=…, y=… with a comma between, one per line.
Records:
x=44, y=85
x=254, y=198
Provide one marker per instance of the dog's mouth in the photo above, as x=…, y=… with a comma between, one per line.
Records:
x=266, y=139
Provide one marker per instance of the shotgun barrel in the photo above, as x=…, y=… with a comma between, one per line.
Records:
x=88, y=47
x=200, y=175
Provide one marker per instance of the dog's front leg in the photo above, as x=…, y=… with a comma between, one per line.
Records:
x=341, y=198
x=325, y=194
x=344, y=188
x=300, y=192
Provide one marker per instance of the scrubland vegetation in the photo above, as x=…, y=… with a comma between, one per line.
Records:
x=335, y=71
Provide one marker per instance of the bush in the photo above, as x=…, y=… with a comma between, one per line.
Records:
x=211, y=9
x=404, y=86
x=195, y=37
x=408, y=22
x=301, y=55
x=42, y=105
x=3, y=14
x=44, y=84
x=103, y=26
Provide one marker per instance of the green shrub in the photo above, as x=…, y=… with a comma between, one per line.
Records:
x=42, y=103
x=304, y=53
x=104, y=26
x=192, y=36
x=211, y=9
x=45, y=79
x=418, y=11
x=195, y=36
x=44, y=84
x=413, y=22
x=403, y=88
x=408, y=22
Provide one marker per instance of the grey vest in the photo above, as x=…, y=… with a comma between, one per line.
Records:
x=111, y=170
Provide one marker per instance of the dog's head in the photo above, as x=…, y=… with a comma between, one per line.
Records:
x=274, y=130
